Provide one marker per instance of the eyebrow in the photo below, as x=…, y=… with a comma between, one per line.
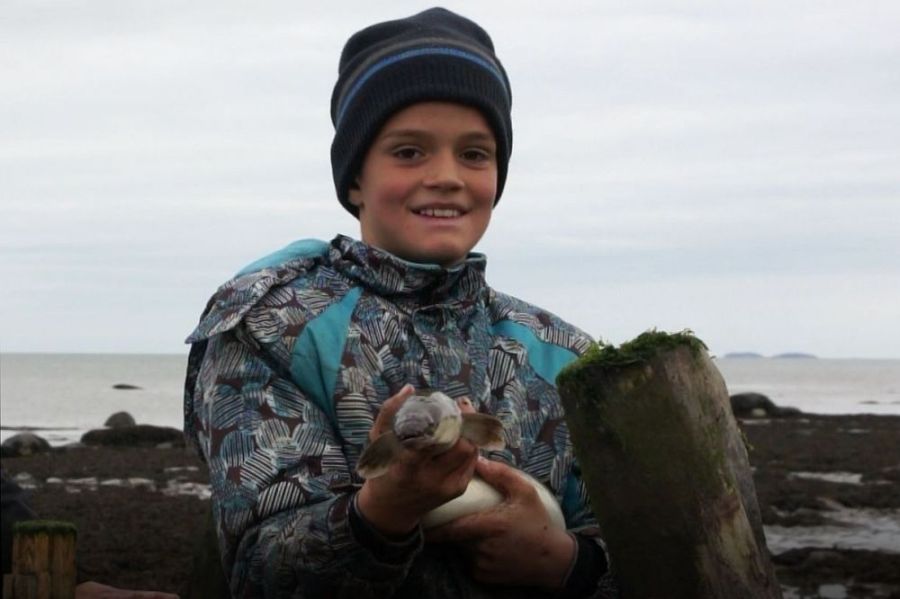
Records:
x=406, y=133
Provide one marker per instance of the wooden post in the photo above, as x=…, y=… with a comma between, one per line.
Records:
x=43, y=561
x=667, y=471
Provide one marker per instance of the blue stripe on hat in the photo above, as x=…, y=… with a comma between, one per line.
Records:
x=389, y=60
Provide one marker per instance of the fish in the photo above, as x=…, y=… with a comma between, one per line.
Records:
x=435, y=422
x=480, y=496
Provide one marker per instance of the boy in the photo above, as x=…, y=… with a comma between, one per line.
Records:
x=306, y=355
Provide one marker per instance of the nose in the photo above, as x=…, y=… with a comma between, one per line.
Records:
x=443, y=171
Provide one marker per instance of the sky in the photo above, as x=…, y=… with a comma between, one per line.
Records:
x=732, y=168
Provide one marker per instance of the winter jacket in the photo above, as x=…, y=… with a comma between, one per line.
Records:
x=289, y=365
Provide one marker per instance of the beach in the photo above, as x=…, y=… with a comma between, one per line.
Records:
x=828, y=486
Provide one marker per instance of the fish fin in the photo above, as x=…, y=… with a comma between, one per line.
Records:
x=483, y=430
x=377, y=456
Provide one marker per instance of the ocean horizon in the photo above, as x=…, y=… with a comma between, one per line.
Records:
x=61, y=396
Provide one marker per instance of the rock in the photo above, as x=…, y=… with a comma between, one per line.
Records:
x=802, y=517
x=120, y=420
x=24, y=444
x=125, y=386
x=757, y=405
x=141, y=435
x=752, y=405
x=786, y=412
x=823, y=556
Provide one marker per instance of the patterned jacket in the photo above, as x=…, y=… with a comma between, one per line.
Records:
x=290, y=362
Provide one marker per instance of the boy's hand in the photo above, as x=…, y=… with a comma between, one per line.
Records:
x=95, y=590
x=513, y=542
x=417, y=481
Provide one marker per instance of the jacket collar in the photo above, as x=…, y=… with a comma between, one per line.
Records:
x=397, y=279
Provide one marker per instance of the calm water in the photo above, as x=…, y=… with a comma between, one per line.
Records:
x=72, y=393
x=819, y=386
x=76, y=391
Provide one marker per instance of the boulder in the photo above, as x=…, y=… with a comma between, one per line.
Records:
x=757, y=405
x=120, y=420
x=23, y=444
x=141, y=435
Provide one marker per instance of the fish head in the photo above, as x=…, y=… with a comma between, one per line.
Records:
x=434, y=422
x=425, y=420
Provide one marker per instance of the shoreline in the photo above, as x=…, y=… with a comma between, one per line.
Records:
x=828, y=480
x=61, y=436
x=140, y=512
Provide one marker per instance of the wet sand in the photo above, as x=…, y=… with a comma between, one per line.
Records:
x=829, y=490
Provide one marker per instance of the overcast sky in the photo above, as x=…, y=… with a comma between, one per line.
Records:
x=728, y=167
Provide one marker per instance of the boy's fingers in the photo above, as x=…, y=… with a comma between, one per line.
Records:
x=386, y=414
x=464, y=528
x=465, y=405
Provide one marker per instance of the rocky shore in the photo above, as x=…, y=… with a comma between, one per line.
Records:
x=828, y=486
x=829, y=490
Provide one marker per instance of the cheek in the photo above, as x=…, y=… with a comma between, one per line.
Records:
x=392, y=192
x=485, y=189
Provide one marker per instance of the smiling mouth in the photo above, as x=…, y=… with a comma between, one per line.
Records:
x=439, y=212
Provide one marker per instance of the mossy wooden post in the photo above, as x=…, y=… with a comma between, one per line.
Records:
x=43, y=561
x=667, y=471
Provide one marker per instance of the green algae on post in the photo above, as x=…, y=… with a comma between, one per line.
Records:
x=643, y=347
x=51, y=527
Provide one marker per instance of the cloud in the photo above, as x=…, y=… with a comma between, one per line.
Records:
x=662, y=149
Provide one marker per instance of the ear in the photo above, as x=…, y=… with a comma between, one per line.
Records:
x=354, y=195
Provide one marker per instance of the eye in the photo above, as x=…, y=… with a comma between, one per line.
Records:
x=406, y=152
x=476, y=155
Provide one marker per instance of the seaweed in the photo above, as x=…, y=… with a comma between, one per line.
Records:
x=52, y=527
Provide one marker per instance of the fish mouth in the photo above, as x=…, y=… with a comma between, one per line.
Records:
x=418, y=443
x=414, y=436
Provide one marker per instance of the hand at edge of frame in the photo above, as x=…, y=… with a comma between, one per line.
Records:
x=95, y=590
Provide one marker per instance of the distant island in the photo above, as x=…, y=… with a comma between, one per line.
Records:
x=741, y=355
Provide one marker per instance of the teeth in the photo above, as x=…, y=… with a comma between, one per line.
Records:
x=440, y=212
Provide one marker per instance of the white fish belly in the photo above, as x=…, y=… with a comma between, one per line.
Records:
x=480, y=496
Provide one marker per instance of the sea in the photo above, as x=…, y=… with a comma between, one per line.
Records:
x=61, y=396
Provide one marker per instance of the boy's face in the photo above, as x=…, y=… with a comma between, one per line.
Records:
x=428, y=182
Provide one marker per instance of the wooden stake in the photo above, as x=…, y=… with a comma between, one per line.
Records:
x=43, y=561
x=667, y=471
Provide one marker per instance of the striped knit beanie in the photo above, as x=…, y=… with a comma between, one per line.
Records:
x=432, y=56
